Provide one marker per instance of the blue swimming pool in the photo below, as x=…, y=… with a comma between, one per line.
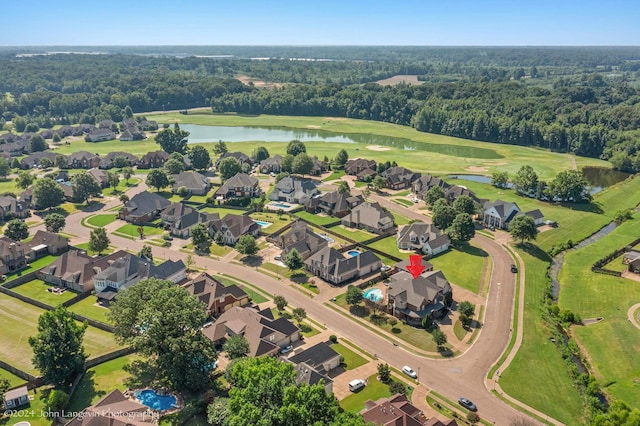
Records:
x=151, y=399
x=353, y=253
x=280, y=205
x=373, y=294
x=263, y=224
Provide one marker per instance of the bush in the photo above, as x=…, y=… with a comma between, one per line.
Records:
x=57, y=400
x=472, y=417
x=397, y=387
x=238, y=202
x=183, y=192
x=333, y=338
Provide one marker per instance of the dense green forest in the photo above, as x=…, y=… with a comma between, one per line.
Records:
x=578, y=100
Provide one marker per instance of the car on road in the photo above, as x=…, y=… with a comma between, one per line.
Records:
x=409, y=372
x=286, y=349
x=467, y=404
x=514, y=268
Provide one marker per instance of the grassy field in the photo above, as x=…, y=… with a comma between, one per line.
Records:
x=316, y=219
x=612, y=344
x=131, y=231
x=337, y=174
x=355, y=234
x=12, y=378
x=546, y=387
x=37, y=289
x=85, y=247
x=351, y=359
x=87, y=307
x=374, y=390
x=20, y=321
x=102, y=220
x=277, y=221
x=388, y=245
x=450, y=262
x=221, y=211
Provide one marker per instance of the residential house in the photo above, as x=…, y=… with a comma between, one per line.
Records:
x=424, y=183
x=422, y=237
x=271, y=164
x=294, y=190
x=404, y=266
x=148, y=125
x=412, y=299
x=318, y=167
x=44, y=243
x=196, y=183
x=46, y=134
x=307, y=374
x=16, y=148
x=265, y=334
x=153, y=160
x=453, y=192
x=115, y=409
x=106, y=162
x=536, y=215
x=399, y=177
x=83, y=160
x=397, y=410
x=67, y=190
x=239, y=186
x=632, y=259
x=106, y=124
x=11, y=208
x=357, y=165
x=371, y=217
x=337, y=204
x=332, y=266
x=232, y=227
x=179, y=218
x=62, y=176
x=143, y=207
x=128, y=269
x=12, y=257
x=499, y=213
x=100, y=135
x=240, y=156
x=314, y=364
x=302, y=238
x=33, y=160
x=100, y=176
x=218, y=297
x=16, y=398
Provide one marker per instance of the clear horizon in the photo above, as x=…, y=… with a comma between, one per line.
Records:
x=426, y=23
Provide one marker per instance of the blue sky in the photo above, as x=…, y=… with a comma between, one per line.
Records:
x=328, y=22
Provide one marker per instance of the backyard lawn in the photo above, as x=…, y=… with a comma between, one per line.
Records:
x=101, y=220
x=316, y=219
x=37, y=289
x=222, y=211
x=34, y=266
x=85, y=247
x=388, y=245
x=359, y=235
x=12, y=378
x=88, y=307
x=277, y=221
x=450, y=262
x=351, y=359
x=123, y=186
x=374, y=390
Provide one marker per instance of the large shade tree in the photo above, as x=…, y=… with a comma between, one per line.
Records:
x=85, y=186
x=199, y=157
x=157, y=178
x=173, y=140
x=47, y=193
x=229, y=167
x=523, y=228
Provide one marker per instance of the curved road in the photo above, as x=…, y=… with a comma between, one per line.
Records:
x=461, y=376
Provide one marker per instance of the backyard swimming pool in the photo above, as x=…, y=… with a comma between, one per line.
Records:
x=151, y=399
x=353, y=253
x=373, y=294
x=263, y=224
x=280, y=205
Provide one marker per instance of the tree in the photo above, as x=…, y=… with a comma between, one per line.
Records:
x=45, y=163
x=57, y=348
x=464, y=204
x=218, y=411
x=378, y=183
x=280, y=303
x=247, y=245
x=157, y=178
x=199, y=157
x=37, y=144
x=61, y=162
x=229, y=167
x=173, y=140
x=127, y=172
x=434, y=194
x=293, y=260
x=570, y=186
x=85, y=186
x=342, y=158
x=4, y=386
x=218, y=238
x=220, y=148
x=47, y=193
x=286, y=165
x=56, y=137
x=296, y=147
x=15, y=163
x=354, y=295
x=397, y=387
x=119, y=162
x=173, y=166
x=442, y=214
x=439, y=338
x=56, y=401
x=98, y=240
x=113, y=179
x=466, y=310
x=162, y=321
x=299, y=314
x=146, y=253
x=525, y=182
x=16, y=229
x=199, y=235
x=4, y=167
x=54, y=222
x=128, y=111
x=462, y=228
x=189, y=262
x=259, y=154
x=124, y=198
x=24, y=179
x=343, y=187
x=523, y=228
x=500, y=179
x=302, y=164
x=384, y=373
x=236, y=346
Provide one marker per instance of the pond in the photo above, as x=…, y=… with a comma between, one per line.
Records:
x=201, y=134
x=476, y=178
x=602, y=177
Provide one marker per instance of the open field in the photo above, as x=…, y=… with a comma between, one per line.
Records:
x=37, y=289
x=450, y=262
x=20, y=320
x=613, y=343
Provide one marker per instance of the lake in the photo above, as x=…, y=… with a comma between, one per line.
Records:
x=201, y=134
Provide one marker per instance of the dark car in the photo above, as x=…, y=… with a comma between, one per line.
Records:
x=467, y=404
x=514, y=269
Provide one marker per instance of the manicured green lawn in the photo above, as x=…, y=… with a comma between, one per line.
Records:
x=34, y=412
x=37, y=289
x=546, y=387
x=203, y=198
x=316, y=219
x=334, y=175
x=88, y=307
x=102, y=220
x=99, y=381
x=123, y=186
x=459, y=330
x=388, y=245
x=402, y=202
x=399, y=219
x=254, y=295
x=277, y=221
x=355, y=234
x=616, y=265
x=222, y=211
x=613, y=343
x=34, y=266
x=462, y=266
x=351, y=359
x=131, y=231
x=12, y=378
x=374, y=390
x=85, y=247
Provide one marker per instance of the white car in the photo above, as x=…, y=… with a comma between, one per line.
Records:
x=409, y=372
x=385, y=268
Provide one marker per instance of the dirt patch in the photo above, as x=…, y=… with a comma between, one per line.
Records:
x=397, y=79
x=257, y=82
x=590, y=321
x=477, y=169
x=335, y=118
x=378, y=148
x=313, y=126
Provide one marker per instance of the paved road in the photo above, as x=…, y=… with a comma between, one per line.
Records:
x=462, y=376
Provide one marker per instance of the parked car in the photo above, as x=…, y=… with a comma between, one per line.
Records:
x=409, y=372
x=514, y=268
x=277, y=257
x=286, y=349
x=467, y=404
x=356, y=385
x=385, y=268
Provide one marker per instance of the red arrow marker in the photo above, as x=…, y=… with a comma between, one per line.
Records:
x=416, y=266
